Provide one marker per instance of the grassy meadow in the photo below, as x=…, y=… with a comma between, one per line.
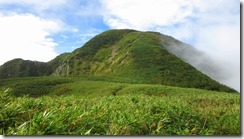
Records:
x=110, y=106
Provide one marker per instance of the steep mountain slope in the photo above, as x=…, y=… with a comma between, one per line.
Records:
x=141, y=56
x=129, y=54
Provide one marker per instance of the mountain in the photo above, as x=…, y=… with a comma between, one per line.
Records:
x=24, y=68
x=145, y=57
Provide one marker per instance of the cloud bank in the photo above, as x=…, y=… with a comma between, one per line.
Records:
x=146, y=14
x=27, y=36
x=27, y=29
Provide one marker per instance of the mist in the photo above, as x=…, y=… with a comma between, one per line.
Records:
x=222, y=70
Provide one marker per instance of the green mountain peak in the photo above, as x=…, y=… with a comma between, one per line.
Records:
x=143, y=57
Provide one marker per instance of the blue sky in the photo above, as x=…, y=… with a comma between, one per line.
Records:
x=42, y=29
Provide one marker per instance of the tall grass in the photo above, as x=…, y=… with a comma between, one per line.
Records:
x=137, y=112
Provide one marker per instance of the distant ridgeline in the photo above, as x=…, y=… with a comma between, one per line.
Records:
x=24, y=68
x=146, y=57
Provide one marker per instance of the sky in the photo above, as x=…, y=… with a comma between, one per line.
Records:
x=42, y=29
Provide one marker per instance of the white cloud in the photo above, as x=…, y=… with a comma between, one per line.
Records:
x=223, y=43
x=36, y=4
x=27, y=36
x=211, y=25
x=74, y=30
x=145, y=14
x=64, y=36
x=218, y=34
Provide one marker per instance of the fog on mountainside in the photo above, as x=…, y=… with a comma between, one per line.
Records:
x=200, y=60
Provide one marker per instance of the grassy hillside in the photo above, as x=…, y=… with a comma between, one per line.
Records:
x=121, y=82
x=144, y=57
x=141, y=56
x=24, y=68
x=100, y=106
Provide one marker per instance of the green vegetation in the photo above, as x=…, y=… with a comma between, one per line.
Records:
x=100, y=106
x=24, y=68
x=33, y=87
x=121, y=82
x=139, y=56
x=123, y=54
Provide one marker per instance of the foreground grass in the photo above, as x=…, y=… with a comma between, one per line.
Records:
x=120, y=109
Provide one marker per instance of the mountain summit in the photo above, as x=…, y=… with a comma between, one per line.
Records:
x=144, y=57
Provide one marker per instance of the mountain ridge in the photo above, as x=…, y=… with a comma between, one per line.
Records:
x=143, y=56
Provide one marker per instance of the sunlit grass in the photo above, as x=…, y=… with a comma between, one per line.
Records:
x=133, y=110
